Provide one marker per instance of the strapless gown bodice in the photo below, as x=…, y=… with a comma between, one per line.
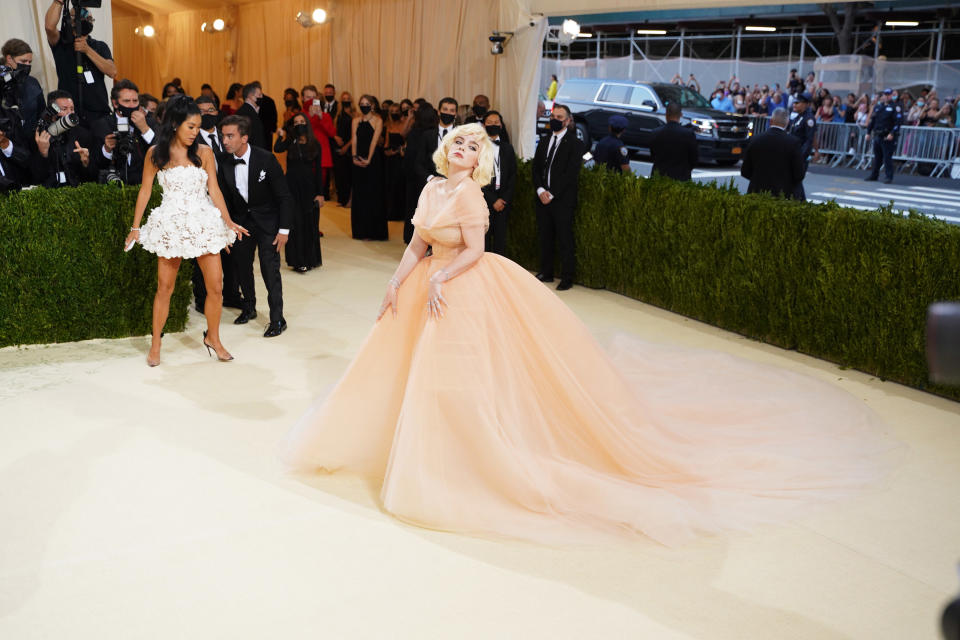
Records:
x=186, y=224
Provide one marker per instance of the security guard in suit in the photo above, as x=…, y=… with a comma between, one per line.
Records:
x=611, y=151
x=803, y=126
x=884, y=127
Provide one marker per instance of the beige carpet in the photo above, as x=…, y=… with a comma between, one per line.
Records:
x=147, y=503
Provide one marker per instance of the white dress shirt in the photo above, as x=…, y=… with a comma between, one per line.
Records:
x=496, y=165
x=6, y=153
x=242, y=174
x=206, y=138
x=554, y=143
x=443, y=131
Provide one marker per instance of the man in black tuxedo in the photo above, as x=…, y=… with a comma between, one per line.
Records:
x=774, y=161
x=210, y=137
x=258, y=198
x=556, y=170
x=250, y=109
x=267, y=110
x=499, y=193
x=674, y=147
x=14, y=161
x=122, y=138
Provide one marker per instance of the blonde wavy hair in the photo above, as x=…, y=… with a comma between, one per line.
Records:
x=484, y=171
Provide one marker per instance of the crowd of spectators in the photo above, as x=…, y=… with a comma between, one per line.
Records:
x=926, y=109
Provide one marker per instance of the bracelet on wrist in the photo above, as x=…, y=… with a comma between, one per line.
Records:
x=393, y=282
x=134, y=228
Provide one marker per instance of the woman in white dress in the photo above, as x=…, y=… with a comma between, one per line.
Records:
x=191, y=222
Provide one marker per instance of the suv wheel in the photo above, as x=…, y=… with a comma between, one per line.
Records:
x=583, y=134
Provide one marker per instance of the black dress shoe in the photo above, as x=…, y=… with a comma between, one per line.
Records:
x=870, y=179
x=887, y=180
x=275, y=328
x=543, y=278
x=233, y=304
x=564, y=285
x=245, y=317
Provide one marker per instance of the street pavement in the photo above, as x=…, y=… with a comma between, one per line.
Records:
x=936, y=197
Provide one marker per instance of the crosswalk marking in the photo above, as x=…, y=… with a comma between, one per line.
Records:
x=939, y=216
x=951, y=192
x=919, y=199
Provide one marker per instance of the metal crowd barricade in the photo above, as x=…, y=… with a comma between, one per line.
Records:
x=937, y=146
x=839, y=142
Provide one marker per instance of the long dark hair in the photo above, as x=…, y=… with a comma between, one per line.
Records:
x=310, y=150
x=178, y=109
x=426, y=117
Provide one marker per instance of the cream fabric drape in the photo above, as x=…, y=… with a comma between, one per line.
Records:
x=263, y=43
x=390, y=48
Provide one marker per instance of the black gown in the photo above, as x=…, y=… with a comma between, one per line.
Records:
x=368, y=220
x=393, y=180
x=305, y=180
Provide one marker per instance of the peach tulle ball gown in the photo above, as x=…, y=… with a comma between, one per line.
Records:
x=506, y=418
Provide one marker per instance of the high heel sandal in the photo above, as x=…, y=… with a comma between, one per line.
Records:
x=151, y=363
x=210, y=347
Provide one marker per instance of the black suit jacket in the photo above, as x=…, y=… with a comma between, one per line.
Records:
x=508, y=176
x=269, y=204
x=257, y=137
x=427, y=142
x=565, y=171
x=217, y=153
x=16, y=168
x=268, y=118
x=674, y=151
x=133, y=174
x=774, y=163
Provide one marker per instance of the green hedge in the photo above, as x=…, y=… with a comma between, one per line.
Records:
x=841, y=284
x=64, y=275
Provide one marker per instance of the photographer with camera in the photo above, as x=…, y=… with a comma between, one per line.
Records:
x=22, y=96
x=122, y=138
x=73, y=47
x=63, y=146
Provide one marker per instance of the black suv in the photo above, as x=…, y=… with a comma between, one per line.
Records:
x=722, y=137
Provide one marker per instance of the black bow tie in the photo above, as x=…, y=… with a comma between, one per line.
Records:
x=496, y=142
x=237, y=160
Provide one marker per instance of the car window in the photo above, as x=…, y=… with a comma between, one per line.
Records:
x=641, y=93
x=686, y=97
x=579, y=91
x=615, y=93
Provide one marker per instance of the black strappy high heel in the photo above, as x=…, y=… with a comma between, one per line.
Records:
x=211, y=351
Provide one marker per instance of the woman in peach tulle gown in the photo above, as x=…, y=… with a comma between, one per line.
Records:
x=497, y=413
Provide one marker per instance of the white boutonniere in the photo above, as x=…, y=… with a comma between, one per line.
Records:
x=263, y=176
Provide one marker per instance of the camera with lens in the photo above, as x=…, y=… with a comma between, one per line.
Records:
x=53, y=123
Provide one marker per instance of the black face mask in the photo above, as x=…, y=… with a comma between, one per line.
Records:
x=329, y=98
x=556, y=125
x=479, y=111
x=447, y=118
x=346, y=104
x=406, y=111
x=299, y=130
x=258, y=101
x=23, y=70
x=126, y=112
x=208, y=121
x=86, y=27
x=364, y=109
x=395, y=116
x=493, y=130
x=290, y=103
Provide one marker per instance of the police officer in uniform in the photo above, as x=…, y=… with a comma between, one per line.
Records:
x=803, y=126
x=883, y=127
x=611, y=151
